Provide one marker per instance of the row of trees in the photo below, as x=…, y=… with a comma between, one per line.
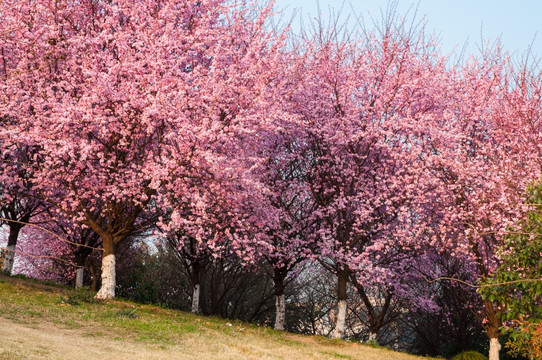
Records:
x=368, y=153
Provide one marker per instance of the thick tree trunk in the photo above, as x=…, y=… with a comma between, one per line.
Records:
x=107, y=290
x=494, y=348
x=340, y=324
x=493, y=331
x=9, y=257
x=280, y=317
x=493, y=334
x=79, y=277
x=280, y=303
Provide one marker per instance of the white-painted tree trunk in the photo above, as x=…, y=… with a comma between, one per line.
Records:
x=9, y=259
x=280, y=307
x=195, y=299
x=340, y=324
x=372, y=336
x=79, y=274
x=107, y=291
x=494, y=348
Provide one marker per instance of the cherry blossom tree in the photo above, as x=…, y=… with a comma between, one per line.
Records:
x=77, y=247
x=367, y=100
x=480, y=159
x=17, y=203
x=125, y=99
x=283, y=212
x=41, y=256
x=368, y=152
x=201, y=228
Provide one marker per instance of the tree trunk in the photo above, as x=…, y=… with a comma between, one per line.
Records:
x=107, y=290
x=196, y=288
x=377, y=321
x=340, y=324
x=9, y=257
x=280, y=317
x=494, y=348
x=492, y=329
x=195, y=299
x=82, y=258
x=493, y=332
x=79, y=277
x=280, y=304
x=94, y=274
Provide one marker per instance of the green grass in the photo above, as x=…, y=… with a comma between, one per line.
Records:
x=26, y=304
x=470, y=355
x=339, y=356
x=35, y=305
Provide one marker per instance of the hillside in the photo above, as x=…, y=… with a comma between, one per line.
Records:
x=39, y=321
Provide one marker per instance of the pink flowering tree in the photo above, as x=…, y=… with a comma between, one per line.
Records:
x=18, y=205
x=41, y=256
x=281, y=211
x=366, y=103
x=123, y=99
x=52, y=248
x=77, y=248
x=479, y=156
x=201, y=228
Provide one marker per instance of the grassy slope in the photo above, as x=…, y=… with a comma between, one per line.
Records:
x=38, y=322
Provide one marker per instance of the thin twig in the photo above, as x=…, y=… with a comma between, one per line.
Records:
x=480, y=286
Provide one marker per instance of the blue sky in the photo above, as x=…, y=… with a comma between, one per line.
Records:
x=456, y=21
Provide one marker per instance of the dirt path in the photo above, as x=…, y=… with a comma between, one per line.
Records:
x=18, y=341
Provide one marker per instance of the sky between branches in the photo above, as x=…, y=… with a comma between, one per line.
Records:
x=517, y=23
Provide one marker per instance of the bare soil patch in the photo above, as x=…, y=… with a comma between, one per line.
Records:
x=47, y=341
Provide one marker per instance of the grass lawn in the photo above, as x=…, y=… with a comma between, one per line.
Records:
x=39, y=321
